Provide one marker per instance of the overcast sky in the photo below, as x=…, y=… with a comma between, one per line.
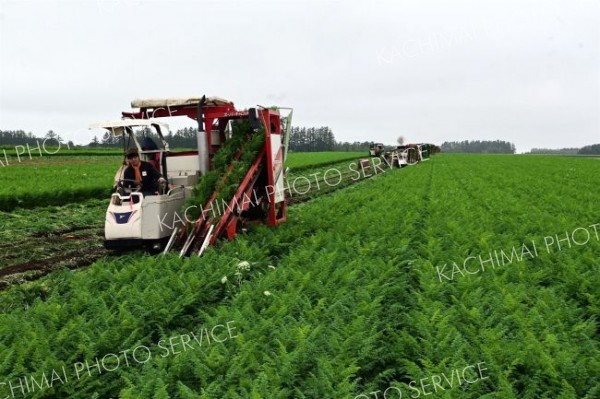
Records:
x=522, y=71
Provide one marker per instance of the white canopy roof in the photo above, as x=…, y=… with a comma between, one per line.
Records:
x=173, y=102
x=118, y=127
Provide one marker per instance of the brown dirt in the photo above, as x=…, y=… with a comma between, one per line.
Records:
x=88, y=250
x=72, y=259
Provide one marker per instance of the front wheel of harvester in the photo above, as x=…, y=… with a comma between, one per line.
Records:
x=156, y=246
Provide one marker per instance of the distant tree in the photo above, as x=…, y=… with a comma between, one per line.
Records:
x=51, y=135
x=562, y=151
x=106, y=139
x=400, y=140
x=311, y=139
x=354, y=146
x=11, y=138
x=478, y=146
x=593, y=149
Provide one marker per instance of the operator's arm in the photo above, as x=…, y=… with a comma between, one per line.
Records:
x=156, y=177
x=155, y=173
x=162, y=182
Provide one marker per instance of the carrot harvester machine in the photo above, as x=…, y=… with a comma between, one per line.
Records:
x=164, y=220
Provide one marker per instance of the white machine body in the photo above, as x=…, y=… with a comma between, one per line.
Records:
x=133, y=219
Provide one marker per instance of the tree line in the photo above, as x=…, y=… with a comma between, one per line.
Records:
x=311, y=139
x=12, y=138
x=182, y=138
x=302, y=139
x=593, y=149
x=556, y=151
x=479, y=147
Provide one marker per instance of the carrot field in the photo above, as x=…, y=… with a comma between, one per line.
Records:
x=466, y=276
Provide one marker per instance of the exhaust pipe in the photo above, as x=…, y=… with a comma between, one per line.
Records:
x=202, y=141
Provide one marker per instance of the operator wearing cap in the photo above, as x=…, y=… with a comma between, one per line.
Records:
x=143, y=173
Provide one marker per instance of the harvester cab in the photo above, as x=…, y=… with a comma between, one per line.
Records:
x=148, y=149
x=131, y=215
x=249, y=185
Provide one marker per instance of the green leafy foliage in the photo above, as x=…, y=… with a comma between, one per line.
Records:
x=225, y=181
x=55, y=180
x=299, y=161
x=344, y=298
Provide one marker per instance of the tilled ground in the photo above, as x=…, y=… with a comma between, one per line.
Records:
x=37, y=255
x=36, y=241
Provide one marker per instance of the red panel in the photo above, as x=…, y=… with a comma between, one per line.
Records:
x=232, y=228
